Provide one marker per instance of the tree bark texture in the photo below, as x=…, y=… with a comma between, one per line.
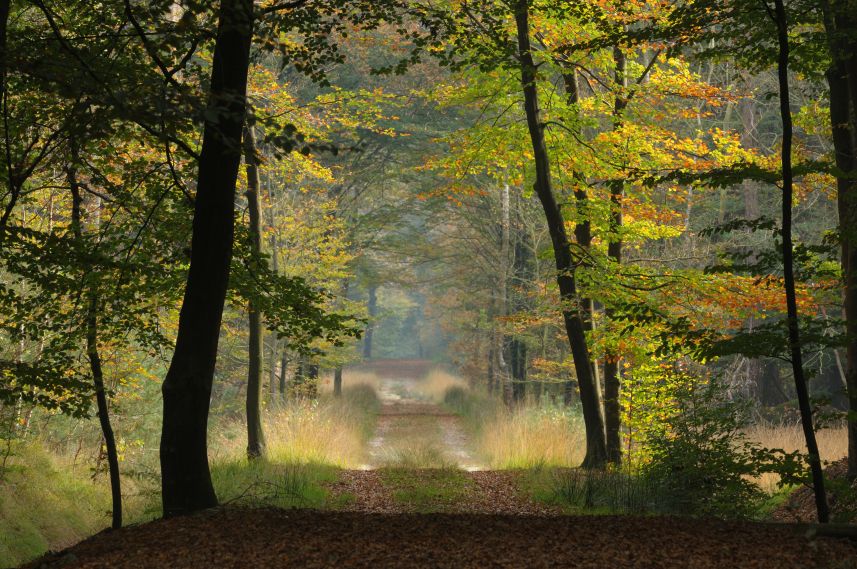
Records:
x=596, y=450
x=185, y=477
x=841, y=27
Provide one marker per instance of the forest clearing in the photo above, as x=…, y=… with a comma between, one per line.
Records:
x=428, y=283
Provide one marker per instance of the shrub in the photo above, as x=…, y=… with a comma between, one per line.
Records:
x=702, y=461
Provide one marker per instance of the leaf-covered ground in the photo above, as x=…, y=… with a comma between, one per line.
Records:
x=306, y=538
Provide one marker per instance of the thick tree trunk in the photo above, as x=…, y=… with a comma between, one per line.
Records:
x=185, y=476
x=841, y=26
x=788, y=268
x=255, y=434
x=596, y=448
x=372, y=310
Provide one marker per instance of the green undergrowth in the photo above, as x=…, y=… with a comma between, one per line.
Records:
x=604, y=492
x=46, y=505
x=260, y=483
x=578, y=491
x=427, y=490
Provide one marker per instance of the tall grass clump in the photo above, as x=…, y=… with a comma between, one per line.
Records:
x=832, y=445
x=533, y=436
x=525, y=436
x=437, y=383
x=329, y=431
x=307, y=440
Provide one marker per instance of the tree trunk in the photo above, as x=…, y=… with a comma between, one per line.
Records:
x=284, y=363
x=103, y=411
x=93, y=355
x=255, y=434
x=502, y=339
x=275, y=267
x=185, y=476
x=788, y=267
x=596, y=449
x=337, y=382
x=312, y=380
x=372, y=310
x=612, y=358
x=518, y=361
x=841, y=27
x=13, y=187
x=523, y=277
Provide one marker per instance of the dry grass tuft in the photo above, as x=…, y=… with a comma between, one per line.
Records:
x=832, y=444
x=330, y=431
x=532, y=437
x=350, y=378
x=436, y=383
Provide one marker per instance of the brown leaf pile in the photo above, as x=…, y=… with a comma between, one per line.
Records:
x=305, y=538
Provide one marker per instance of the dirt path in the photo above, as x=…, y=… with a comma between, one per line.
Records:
x=421, y=460
x=414, y=431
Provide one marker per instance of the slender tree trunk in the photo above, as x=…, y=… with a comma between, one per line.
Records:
x=284, y=363
x=502, y=339
x=275, y=267
x=312, y=380
x=788, y=267
x=523, y=277
x=612, y=359
x=841, y=27
x=255, y=433
x=103, y=411
x=596, y=448
x=185, y=477
x=337, y=382
x=337, y=373
x=372, y=310
x=5, y=8
x=92, y=352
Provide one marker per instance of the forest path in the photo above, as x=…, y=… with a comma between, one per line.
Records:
x=421, y=459
x=412, y=430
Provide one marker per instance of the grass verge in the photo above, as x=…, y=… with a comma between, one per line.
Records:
x=427, y=490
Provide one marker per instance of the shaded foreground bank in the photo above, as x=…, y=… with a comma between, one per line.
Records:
x=307, y=538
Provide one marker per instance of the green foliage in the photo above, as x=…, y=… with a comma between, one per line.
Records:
x=46, y=506
x=698, y=456
x=263, y=483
